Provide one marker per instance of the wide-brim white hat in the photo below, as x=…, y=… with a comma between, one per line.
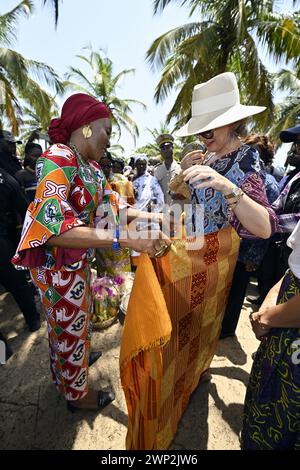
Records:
x=216, y=103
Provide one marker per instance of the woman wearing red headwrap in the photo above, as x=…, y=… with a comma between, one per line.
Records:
x=58, y=239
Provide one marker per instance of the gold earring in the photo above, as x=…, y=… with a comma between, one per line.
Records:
x=87, y=131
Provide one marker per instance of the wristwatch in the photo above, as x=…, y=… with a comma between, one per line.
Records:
x=235, y=192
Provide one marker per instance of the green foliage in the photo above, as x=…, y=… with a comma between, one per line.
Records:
x=21, y=78
x=103, y=84
x=225, y=38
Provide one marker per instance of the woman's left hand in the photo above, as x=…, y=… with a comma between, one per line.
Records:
x=203, y=176
x=259, y=330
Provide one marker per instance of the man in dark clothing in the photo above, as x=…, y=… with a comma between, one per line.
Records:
x=287, y=208
x=27, y=177
x=13, y=206
x=8, y=152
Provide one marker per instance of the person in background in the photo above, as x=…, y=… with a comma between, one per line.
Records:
x=272, y=403
x=118, y=165
x=251, y=251
x=169, y=168
x=129, y=173
x=153, y=162
x=119, y=182
x=293, y=158
x=8, y=153
x=13, y=206
x=27, y=177
x=287, y=208
x=109, y=261
x=148, y=193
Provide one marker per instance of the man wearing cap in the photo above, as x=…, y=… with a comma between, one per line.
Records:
x=287, y=208
x=8, y=152
x=293, y=158
x=169, y=168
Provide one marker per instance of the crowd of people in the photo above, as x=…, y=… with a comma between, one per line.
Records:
x=63, y=208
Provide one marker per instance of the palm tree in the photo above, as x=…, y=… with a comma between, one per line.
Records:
x=18, y=74
x=226, y=39
x=103, y=85
x=288, y=110
x=55, y=5
x=35, y=123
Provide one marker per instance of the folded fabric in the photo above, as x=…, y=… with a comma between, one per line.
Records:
x=179, y=186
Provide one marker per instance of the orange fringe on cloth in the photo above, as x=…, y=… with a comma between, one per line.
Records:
x=171, y=333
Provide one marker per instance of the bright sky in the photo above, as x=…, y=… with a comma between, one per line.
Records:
x=124, y=29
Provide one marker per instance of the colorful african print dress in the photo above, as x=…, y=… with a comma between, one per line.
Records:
x=67, y=196
x=182, y=297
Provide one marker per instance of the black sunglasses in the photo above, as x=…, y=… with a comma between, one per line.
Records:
x=207, y=134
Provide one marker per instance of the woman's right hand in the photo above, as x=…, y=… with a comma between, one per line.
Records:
x=144, y=243
x=192, y=158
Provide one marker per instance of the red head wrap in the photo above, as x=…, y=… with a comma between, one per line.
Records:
x=78, y=110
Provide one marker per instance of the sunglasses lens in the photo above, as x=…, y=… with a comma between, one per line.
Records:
x=207, y=134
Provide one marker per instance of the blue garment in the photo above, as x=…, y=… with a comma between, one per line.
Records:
x=148, y=191
x=243, y=168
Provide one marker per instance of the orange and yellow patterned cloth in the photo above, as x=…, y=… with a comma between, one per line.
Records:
x=171, y=333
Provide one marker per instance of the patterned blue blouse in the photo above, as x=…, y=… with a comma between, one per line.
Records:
x=242, y=167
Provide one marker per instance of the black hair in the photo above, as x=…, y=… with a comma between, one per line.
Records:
x=30, y=146
x=107, y=155
x=120, y=162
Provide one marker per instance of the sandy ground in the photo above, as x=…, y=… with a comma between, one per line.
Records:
x=33, y=416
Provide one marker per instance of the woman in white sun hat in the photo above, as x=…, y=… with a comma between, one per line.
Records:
x=195, y=280
x=230, y=176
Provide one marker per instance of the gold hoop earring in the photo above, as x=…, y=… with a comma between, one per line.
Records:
x=87, y=131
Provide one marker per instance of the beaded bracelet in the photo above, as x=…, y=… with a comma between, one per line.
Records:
x=116, y=244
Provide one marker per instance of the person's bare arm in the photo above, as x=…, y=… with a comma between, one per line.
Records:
x=85, y=237
x=254, y=217
x=285, y=315
x=271, y=297
x=270, y=315
x=81, y=237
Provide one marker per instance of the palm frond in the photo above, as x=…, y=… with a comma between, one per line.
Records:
x=55, y=5
x=9, y=20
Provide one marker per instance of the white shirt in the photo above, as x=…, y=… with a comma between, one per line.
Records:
x=164, y=177
x=294, y=243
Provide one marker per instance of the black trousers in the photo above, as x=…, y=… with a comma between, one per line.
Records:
x=235, y=300
x=14, y=281
x=273, y=266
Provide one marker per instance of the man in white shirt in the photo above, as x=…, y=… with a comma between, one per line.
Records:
x=169, y=168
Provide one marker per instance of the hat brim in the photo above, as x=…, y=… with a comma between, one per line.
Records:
x=13, y=141
x=214, y=120
x=289, y=135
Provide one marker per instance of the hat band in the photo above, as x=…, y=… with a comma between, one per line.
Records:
x=215, y=103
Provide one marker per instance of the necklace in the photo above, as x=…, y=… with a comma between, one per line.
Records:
x=88, y=173
x=212, y=157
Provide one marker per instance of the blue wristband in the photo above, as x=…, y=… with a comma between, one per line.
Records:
x=116, y=244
